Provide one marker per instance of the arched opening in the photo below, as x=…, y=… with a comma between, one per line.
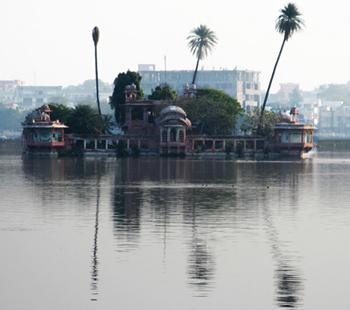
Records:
x=173, y=135
x=181, y=136
x=164, y=135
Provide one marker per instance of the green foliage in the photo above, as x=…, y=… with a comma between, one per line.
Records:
x=212, y=111
x=118, y=97
x=201, y=42
x=163, y=92
x=10, y=119
x=83, y=119
x=289, y=21
x=269, y=120
x=60, y=112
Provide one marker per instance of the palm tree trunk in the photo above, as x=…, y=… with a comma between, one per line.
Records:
x=97, y=90
x=270, y=83
x=195, y=72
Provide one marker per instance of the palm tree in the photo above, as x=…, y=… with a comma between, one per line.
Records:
x=95, y=37
x=287, y=23
x=201, y=42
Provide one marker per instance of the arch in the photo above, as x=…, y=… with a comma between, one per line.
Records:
x=173, y=132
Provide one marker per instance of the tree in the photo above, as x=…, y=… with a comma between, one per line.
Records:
x=117, y=100
x=60, y=112
x=83, y=119
x=201, y=42
x=163, y=92
x=212, y=111
x=251, y=120
x=287, y=23
x=95, y=37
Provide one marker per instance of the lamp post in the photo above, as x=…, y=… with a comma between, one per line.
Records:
x=95, y=37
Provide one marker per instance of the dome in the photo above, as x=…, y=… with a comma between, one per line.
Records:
x=173, y=109
x=175, y=115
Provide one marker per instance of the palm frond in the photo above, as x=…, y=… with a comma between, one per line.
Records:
x=289, y=21
x=201, y=41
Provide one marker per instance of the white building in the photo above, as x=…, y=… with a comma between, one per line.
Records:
x=243, y=85
x=29, y=97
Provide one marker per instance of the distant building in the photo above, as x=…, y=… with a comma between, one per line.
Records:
x=8, y=90
x=29, y=97
x=243, y=85
x=334, y=120
x=86, y=91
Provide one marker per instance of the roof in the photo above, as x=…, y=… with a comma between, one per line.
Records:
x=293, y=126
x=173, y=109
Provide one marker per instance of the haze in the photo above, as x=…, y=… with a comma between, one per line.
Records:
x=49, y=42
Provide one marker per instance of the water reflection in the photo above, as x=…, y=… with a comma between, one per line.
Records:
x=55, y=179
x=95, y=261
x=288, y=276
x=154, y=202
x=201, y=267
x=289, y=286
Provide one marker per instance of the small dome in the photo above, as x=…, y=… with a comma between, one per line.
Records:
x=173, y=109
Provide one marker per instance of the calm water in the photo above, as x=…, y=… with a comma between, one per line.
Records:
x=174, y=234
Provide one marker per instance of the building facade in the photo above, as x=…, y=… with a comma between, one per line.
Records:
x=29, y=97
x=243, y=85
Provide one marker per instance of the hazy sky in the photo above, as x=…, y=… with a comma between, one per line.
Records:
x=49, y=42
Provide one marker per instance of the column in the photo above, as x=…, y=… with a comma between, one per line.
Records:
x=95, y=146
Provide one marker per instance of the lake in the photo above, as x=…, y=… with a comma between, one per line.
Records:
x=150, y=233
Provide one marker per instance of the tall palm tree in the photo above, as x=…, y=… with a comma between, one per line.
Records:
x=95, y=37
x=201, y=42
x=287, y=23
